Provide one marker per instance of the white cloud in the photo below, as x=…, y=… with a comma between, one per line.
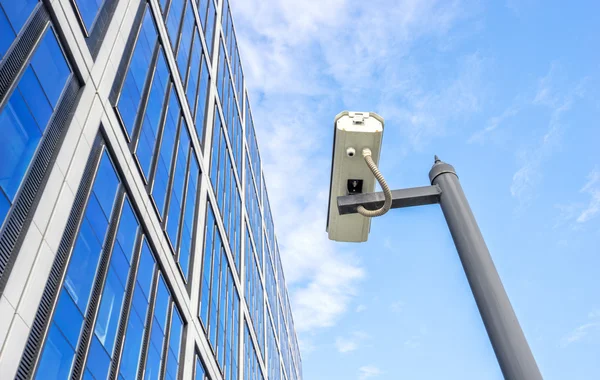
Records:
x=592, y=187
x=360, y=308
x=344, y=345
x=350, y=343
x=305, y=61
x=368, y=371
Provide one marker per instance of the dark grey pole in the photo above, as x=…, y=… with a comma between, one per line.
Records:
x=509, y=343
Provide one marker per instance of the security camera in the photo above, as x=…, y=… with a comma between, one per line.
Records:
x=354, y=133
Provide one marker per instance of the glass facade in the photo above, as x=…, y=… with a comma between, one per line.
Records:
x=167, y=266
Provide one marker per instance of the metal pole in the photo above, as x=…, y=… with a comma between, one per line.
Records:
x=509, y=343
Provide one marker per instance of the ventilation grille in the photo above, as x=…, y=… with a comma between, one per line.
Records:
x=18, y=220
x=44, y=312
x=94, y=41
x=129, y=288
x=94, y=303
x=14, y=62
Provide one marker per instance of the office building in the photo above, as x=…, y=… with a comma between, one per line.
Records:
x=136, y=236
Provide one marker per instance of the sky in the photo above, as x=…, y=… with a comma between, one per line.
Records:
x=507, y=92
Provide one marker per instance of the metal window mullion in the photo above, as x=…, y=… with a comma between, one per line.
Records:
x=41, y=322
x=127, y=307
x=148, y=324
x=145, y=96
x=89, y=323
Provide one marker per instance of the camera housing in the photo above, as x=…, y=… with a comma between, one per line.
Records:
x=353, y=132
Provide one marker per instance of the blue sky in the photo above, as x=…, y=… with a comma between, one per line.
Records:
x=507, y=92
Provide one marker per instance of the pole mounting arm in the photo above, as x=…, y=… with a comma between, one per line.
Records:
x=414, y=196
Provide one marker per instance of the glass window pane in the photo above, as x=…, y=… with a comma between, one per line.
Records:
x=82, y=267
x=4, y=206
x=50, y=66
x=199, y=369
x=68, y=318
x=162, y=302
x=98, y=361
x=127, y=231
x=7, y=35
x=132, y=347
x=146, y=269
x=110, y=310
x=105, y=184
x=36, y=100
x=20, y=137
x=88, y=10
x=18, y=11
x=152, y=365
x=57, y=356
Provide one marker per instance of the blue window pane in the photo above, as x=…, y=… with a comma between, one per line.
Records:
x=36, y=100
x=140, y=302
x=20, y=137
x=146, y=269
x=199, y=369
x=7, y=35
x=96, y=217
x=88, y=10
x=50, y=66
x=162, y=301
x=82, y=267
x=119, y=263
x=157, y=336
x=210, y=26
x=68, y=318
x=145, y=147
x=105, y=184
x=128, y=102
x=175, y=336
x=18, y=11
x=88, y=376
x=4, y=206
x=57, y=356
x=202, y=97
x=185, y=41
x=132, y=347
x=110, y=311
x=98, y=360
x=172, y=366
x=173, y=19
x=152, y=365
x=127, y=231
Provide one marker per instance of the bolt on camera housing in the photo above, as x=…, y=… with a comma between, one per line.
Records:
x=353, y=132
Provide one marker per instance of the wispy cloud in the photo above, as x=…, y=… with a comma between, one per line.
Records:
x=492, y=124
x=592, y=187
x=368, y=371
x=584, y=330
x=559, y=101
x=579, y=333
x=360, y=308
x=579, y=213
x=350, y=343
